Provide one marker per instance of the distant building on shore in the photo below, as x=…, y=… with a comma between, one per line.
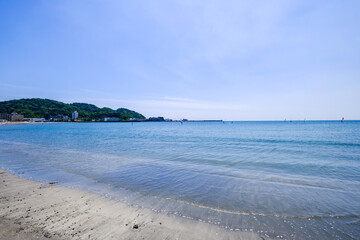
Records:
x=111, y=119
x=74, y=115
x=36, y=119
x=59, y=118
x=4, y=116
x=155, y=119
x=12, y=117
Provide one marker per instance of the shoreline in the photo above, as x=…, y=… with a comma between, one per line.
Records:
x=25, y=122
x=36, y=210
x=190, y=121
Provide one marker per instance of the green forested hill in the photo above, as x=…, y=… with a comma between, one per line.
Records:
x=43, y=108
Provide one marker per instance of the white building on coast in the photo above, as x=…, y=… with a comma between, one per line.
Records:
x=74, y=115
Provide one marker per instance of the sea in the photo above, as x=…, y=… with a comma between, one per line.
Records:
x=280, y=179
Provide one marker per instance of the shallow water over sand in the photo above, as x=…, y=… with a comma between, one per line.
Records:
x=291, y=180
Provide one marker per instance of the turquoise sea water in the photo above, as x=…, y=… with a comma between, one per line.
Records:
x=292, y=180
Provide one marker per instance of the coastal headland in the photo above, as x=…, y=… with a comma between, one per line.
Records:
x=37, y=210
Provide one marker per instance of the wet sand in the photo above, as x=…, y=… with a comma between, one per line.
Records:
x=34, y=210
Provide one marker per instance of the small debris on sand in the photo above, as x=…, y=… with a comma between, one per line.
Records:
x=59, y=213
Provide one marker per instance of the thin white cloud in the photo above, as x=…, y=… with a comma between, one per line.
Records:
x=3, y=84
x=92, y=91
x=167, y=103
x=178, y=99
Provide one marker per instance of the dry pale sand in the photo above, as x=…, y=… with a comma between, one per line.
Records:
x=8, y=123
x=33, y=210
x=25, y=122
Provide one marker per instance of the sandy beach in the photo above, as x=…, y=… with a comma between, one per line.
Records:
x=25, y=122
x=9, y=123
x=34, y=210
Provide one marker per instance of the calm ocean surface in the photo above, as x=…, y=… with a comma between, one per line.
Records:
x=292, y=180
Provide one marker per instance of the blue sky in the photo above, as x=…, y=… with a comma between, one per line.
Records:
x=231, y=60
